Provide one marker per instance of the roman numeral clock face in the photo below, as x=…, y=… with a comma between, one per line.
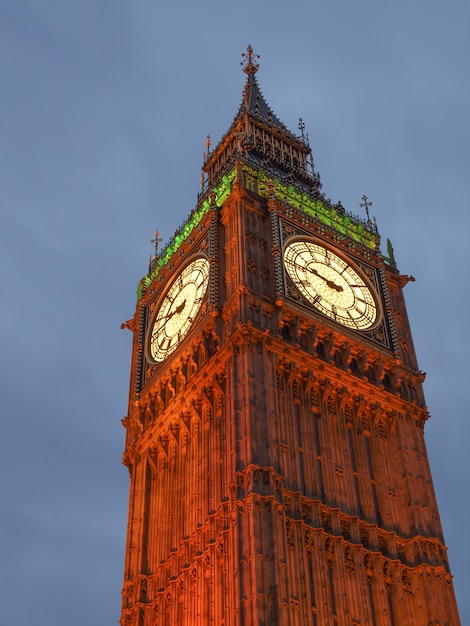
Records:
x=178, y=309
x=331, y=284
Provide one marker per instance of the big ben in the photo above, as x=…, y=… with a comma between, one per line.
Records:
x=274, y=435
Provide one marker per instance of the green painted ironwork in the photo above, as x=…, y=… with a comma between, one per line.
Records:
x=329, y=216
x=346, y=225
x=221, y=192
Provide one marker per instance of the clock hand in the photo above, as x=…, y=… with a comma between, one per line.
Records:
x=164, y=320
x=180, y=307
x=176, y=311
x=330, y=283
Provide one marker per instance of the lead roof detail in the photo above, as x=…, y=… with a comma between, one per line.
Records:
x=257, y=135
x=253, y=101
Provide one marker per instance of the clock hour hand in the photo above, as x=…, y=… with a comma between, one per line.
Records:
x=176, y=311
x=163, y=320
x=333, y=285
x=330, y=283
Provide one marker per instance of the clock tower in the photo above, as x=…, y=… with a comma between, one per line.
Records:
x=274, y=436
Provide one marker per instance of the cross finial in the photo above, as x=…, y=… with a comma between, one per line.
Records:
x=303, y=134
x=208, y=144
x=157, y=239
x=366, y=205
x=250, y=66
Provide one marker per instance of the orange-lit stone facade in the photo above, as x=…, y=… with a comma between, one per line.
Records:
x=278, y=470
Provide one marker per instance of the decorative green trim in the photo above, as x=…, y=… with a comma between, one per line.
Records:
x=329, y=216
x=221, y=192
x=223, y=189
x=344, y=224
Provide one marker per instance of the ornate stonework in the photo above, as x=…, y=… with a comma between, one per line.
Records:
x=278, y=470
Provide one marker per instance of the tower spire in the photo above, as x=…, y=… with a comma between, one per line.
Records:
x=261, y=136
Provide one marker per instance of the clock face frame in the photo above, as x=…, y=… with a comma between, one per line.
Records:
x=332, y=284
x=178, y=309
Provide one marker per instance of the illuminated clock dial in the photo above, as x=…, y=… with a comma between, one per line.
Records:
x=178, y=309
x=331, y=284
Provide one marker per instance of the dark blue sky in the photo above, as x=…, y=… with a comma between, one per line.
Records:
x=104, y=110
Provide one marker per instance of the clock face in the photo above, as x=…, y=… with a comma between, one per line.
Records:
x=331, y=284
x=178, y=309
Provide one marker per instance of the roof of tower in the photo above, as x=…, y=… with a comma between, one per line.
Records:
x=253, y=101
x=259, y=134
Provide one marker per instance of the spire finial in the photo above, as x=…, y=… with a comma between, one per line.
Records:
x=157, y=239
x=366, y=204
x=250, y=66
x=391, y=254
x=208, y=144
x=304, y=135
